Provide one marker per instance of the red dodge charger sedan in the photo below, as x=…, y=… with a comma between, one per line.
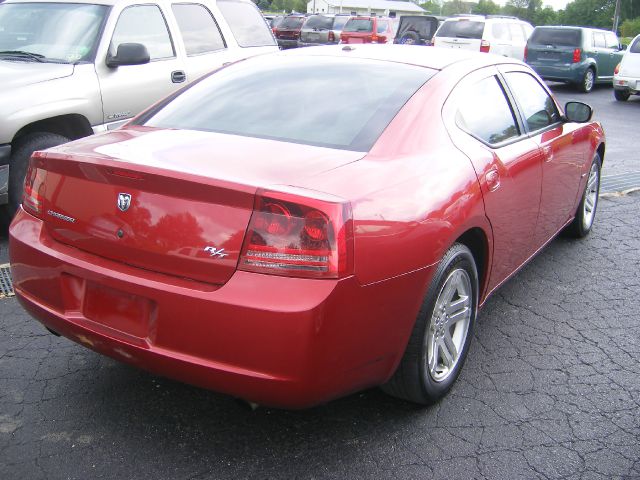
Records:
x=296, y=227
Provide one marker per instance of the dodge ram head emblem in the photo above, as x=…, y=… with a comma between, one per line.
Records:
x=124, y=201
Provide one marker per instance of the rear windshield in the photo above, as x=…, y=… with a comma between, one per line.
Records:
x=358, y=25
x=635, y=46
x=319, y=22
x=246, y=23
x=556, y=36
x=461, y=29
x=291, y=22
x=285, y=98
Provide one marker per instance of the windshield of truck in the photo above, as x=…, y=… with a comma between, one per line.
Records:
x=49, y=32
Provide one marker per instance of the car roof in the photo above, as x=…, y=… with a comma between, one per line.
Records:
x=434, y=58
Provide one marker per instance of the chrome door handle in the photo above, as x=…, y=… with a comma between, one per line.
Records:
x=178, y=76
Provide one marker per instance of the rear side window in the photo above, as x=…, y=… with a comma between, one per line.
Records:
x=484, y=112
x=143, y=24
x=382, y=26
x=500, y=31
x=246, y=23
x=537, y=106
x=561, y=37
x=611, y=40
x=635, y=46
x=339, y=23
x=598, y=40
x=198, y=28
x=254, y=99
x=517, y=33
x=319, y=22
x=461, y=29
x=359, y=25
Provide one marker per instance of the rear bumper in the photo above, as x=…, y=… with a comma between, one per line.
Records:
x=569, y=72
x=287, y=43
x=272, y=340
x=627, y=84
x=316, y=44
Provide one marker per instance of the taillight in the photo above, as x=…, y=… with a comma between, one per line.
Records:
x=374, y=38
x=616, y=70
x=577, y=53
x=332, y=36
x=484, y=46
x=526, y=50
x=33, y=189
x=298, y=236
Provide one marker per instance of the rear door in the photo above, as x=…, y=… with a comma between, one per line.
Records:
x=487, y=129
x=460, y=33
x=612, y=45
x=553, y=46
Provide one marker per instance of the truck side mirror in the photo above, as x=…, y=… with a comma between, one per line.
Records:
x=129, y=54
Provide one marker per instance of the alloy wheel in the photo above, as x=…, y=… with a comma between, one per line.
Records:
x=591, y=196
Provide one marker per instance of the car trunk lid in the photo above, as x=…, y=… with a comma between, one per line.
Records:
x=173, y=202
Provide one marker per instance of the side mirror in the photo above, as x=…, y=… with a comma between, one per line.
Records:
x=578, y=112
x=129, y=54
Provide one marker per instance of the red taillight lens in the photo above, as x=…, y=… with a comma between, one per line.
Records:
x=34, y=190
x=374, y=38
x=298, y=236
x=616, y=70
x=332, y=37
x=577, y=53
x=526, y=50
x=484, y=46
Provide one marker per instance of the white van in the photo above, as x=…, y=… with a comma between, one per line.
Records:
x=496, y=34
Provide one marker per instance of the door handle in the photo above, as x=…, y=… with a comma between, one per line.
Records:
x=178, y=76
x=548, y=153
x=493, y=179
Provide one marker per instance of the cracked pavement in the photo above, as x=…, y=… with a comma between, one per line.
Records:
x=551, y=389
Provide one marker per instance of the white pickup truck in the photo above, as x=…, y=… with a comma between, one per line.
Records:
x=71, y=68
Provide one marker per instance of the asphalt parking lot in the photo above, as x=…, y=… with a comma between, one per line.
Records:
x=551, y=388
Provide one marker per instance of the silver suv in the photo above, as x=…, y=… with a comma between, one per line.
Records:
x=322, y=30
x=70, y=68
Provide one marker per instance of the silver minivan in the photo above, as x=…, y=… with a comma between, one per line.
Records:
x=322, y=30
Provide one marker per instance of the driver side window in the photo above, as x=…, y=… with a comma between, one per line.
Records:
x=143, y=24
x=538, y=107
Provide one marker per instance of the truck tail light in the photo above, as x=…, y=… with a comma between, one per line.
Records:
x=374, y=38
x=577, y=53
x=33, y=189
x=484, y=46
x=298, y=236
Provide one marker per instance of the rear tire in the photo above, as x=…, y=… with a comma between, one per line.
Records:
x=588, y=80
x=442, y=332
x=19, y=162
x=586, y=213
x=621, y=95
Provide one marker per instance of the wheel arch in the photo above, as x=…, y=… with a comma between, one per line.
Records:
x=72, y=126
x=476, y=240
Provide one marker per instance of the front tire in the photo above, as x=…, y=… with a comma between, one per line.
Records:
x=586, y=213
x=588, y=80
x=442, y=332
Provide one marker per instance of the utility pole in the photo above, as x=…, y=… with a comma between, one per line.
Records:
x=616, y=17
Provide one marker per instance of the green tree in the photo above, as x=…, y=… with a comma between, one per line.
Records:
x=589, y=13
x=432, y=6
x=486, y=7
x=545, y=16
x=630, y=27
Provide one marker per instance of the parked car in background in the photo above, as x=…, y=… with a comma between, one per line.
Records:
x=287, y=32
x=500, y=35
x=626, y=76
x=322, y=30
x=69, y=69
x=576, y=55
x=291, y=252
x=368, y=30
x=416, y=29
x=274, y=21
